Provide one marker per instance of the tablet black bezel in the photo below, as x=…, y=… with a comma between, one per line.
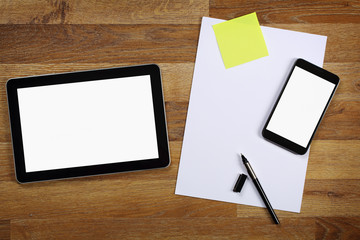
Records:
x=279, y=140
x=84, y=76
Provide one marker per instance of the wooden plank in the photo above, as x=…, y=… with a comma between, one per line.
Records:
x=136, y=44
x=176, y=118
x=321, y=11
x=336, y=159
x=165, y=228
x=103, y=197
x=331, y=197
x=187, y=228
x=322, y=198
x=103, y=12
x=341, y=121
x=337, y=228
x=139, y=44
x=349, y=74
x=5, y=229
x=7, y=172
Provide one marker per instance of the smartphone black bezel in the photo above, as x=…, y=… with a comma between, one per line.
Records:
x=286, y=143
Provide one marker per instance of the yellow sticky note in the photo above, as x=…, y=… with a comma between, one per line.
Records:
x=240, y=40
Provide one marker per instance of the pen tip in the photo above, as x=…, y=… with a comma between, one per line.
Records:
x=243, y=158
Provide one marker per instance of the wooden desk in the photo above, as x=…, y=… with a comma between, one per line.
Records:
x=40, y=37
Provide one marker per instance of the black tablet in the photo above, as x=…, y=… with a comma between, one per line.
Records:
x=301, y=106
x=88, y=123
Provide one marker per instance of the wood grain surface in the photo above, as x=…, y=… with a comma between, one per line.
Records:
x=52, y=36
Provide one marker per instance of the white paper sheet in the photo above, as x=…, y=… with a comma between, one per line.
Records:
x=227, y=111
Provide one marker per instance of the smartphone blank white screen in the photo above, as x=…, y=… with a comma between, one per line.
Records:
x=300, y=106
x=87, y=123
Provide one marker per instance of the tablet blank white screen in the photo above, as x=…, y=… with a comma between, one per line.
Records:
x=300, y=106
x=87, y=123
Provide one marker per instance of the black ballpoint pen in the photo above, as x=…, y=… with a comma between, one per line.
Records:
x=260, y=189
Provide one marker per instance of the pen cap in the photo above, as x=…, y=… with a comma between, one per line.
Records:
x=240, y=183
